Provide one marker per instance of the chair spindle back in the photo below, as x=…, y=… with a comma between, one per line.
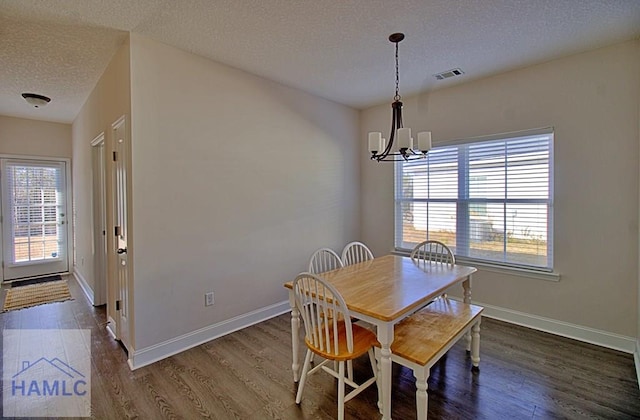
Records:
x=356, y=252
x=323, y=260
x=324, y=314
x=435, y=251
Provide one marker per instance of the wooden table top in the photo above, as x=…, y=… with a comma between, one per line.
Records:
x=387, y=287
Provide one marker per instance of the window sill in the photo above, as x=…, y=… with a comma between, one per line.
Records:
x=501, y=269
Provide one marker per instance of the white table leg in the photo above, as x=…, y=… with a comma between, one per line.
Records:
x=295, y=342
x=466, y=285
x=475, y=345
x=385, y=338
x=421, y=374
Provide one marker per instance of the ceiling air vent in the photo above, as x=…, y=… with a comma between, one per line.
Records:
x=449, y=73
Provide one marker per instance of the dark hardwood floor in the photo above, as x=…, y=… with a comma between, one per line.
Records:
x=524, y=374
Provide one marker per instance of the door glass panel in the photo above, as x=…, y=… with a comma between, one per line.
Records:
x=36, y=211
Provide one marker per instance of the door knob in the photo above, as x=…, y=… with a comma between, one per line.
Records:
x=122, y=250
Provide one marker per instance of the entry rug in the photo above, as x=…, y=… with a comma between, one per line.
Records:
x=36, y=294
x=20, y=283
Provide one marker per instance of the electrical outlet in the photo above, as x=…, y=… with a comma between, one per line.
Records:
x=208, y=299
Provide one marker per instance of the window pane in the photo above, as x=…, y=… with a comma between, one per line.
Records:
x=486, y=234
x=486, y=170
x=527, y=233
x=424, y=221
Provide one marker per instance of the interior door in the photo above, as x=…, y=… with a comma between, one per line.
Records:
x=34, y=218
x=120, y=158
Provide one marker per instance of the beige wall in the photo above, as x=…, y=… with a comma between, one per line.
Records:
x=592, y=100
x=107, y=102
x=19, y=136
x=236, y=181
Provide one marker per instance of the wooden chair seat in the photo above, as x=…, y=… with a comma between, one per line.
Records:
x=423, y=338
x=363, y=339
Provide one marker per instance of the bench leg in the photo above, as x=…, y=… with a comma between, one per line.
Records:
x=466, y=285
x=422, y=399
x=475, y=345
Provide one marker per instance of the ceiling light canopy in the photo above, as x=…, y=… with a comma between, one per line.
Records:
x=38, y=101
x=400, y=145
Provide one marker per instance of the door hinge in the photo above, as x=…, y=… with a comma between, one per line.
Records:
x=117, y=230
x=115, y=156
x=104, y=233
x=117, y=305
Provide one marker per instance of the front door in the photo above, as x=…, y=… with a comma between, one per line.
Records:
x=34, y=218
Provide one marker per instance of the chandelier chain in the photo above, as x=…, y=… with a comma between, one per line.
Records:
x=397, y=96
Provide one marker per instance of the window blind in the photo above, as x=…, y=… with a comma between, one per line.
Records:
x=488, y=200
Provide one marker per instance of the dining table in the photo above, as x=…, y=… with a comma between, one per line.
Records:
x=383, y=291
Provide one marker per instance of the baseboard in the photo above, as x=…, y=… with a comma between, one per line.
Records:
x=88, y=291
x=563, y=329
x=148, y=355
x=636, y=358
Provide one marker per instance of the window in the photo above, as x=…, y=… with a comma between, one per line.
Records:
x=489, y=199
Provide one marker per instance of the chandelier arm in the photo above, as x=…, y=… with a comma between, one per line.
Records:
x=392, y=133
x=389, y=144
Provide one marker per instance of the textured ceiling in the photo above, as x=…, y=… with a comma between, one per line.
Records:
x=337, y=49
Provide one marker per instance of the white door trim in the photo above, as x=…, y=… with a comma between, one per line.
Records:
x=98, y=233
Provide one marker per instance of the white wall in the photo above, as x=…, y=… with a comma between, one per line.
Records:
x=106, y=103
x=236, y=181
x=592, y=100
x=19, y=136
x=637, y=349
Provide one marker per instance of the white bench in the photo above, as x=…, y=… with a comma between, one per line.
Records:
x=423, y=338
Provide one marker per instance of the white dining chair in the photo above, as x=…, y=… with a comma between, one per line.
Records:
x=356, y=252
x=432, y=250
x=329, y=333
x=324, y=259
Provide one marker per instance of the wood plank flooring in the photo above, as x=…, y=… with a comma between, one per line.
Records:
x=524, y=374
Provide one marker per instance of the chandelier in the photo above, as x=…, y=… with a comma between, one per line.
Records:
x=400, y=146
